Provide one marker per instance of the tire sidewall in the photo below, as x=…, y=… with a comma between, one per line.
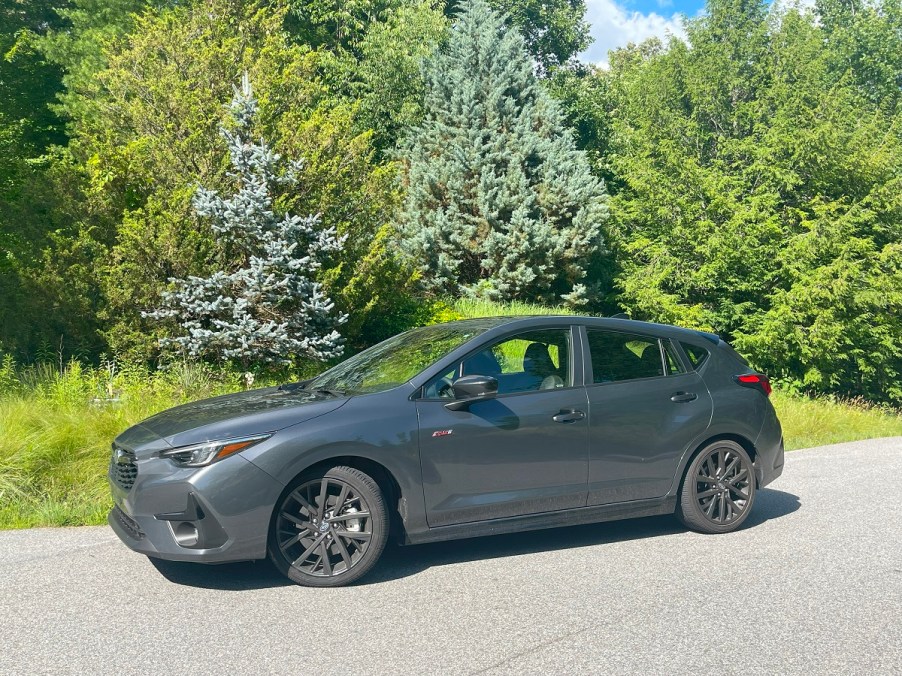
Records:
x=368, y=489
x=690, y=513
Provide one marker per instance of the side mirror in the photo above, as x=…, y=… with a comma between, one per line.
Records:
x=470, y=389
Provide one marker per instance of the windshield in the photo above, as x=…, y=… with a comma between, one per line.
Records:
x=395, y=361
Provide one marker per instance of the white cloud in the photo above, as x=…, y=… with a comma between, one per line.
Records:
x=615, y=26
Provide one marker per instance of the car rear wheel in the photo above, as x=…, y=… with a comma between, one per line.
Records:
x=329, y=528
x=718, y=489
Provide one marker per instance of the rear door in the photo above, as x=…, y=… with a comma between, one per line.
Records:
x=645, y=409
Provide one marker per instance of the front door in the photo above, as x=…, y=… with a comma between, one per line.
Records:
x=523, y=452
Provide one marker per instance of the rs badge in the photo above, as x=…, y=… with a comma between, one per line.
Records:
x=442, y=433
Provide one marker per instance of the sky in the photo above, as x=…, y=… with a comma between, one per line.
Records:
x=618, y=22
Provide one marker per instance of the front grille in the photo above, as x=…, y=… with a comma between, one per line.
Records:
x=123, y=470
x=129, y=524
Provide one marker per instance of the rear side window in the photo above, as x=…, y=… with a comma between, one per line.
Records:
x=697, y=355
x=623, y=356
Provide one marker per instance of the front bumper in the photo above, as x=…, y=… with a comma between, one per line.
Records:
x=210, y=515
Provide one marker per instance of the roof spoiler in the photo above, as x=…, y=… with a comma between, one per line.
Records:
x=713, y=337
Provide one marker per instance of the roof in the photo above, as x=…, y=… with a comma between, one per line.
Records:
x=626, y=325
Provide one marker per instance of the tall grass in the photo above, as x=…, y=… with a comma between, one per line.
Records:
x=819, y=421
x=56, y=426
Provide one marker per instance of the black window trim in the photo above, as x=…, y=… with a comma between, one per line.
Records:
x=681, y=357
x=576, y=353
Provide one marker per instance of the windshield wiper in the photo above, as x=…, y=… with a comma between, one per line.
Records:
x=325, y=390
x=292, y=387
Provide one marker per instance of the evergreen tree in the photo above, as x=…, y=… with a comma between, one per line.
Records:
x=268, y=308
x=759, y=191
x=500, y=203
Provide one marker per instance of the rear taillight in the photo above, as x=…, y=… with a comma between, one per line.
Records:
x=754, y=380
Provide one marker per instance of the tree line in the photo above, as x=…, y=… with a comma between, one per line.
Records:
x=745, y=179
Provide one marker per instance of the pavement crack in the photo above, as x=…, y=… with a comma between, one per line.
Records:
x=532, y=650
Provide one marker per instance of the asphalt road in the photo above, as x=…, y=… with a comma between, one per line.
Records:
x=813, y=584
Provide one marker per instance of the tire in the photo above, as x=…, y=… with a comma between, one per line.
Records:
x=718, y=489
x=316, y=542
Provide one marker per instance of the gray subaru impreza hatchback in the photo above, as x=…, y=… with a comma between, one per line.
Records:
x=457, y=430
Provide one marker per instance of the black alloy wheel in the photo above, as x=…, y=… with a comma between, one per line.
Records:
x=330, y=528
x=718, y=489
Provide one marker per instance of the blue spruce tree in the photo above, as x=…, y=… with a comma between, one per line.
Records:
x=268, y=308
x=500, y=203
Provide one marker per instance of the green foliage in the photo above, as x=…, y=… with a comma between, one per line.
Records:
x=500, y=204
x=383, y=294
x=389, y=73
x=48, y=293
x=555, y=31
x=761, y=194
x=337, y=24
x=583, y=94
x=28, y=82
x=837, y=326
x=864, y=42
x=78, y=40
x=755, y=177
x=28, y=128
x=149, y=136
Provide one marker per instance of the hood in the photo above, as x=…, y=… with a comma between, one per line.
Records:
x=233, y=415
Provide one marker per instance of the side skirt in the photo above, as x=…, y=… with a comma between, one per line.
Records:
x=564, y=517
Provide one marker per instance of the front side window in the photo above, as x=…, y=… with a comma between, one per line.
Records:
x=530, y=361
x=623, y=356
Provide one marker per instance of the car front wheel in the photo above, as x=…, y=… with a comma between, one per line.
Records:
x=330, y=528
x=718, y=489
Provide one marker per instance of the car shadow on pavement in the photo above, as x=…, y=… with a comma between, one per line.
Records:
x=399, y=562
x=771, y=504
x=242, y=576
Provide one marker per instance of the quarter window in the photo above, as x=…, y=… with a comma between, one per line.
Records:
x=697, y=355
x=623, y=356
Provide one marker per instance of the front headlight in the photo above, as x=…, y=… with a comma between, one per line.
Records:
x=199, y=455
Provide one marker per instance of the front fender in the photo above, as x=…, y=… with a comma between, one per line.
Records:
x=381, y=428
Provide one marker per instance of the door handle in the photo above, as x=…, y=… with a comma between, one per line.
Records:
x=568, y=415
x=683, y=397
